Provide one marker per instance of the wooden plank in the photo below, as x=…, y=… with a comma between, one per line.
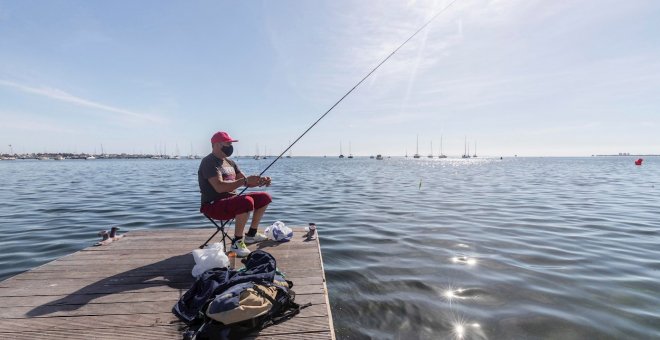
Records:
x=126, y=290
x=119, y=308
x=149, y=286
x=84, y=322
x=79, y=283
x=327, y=298
x=136, y=297
x=298, y=325
x=149, y=332
x=55, y=276
x=294, y=336
x=64, y=272
x=11, y=302
x=137, y=333
x=154, y=253
x=164, y=248
x=177, y=260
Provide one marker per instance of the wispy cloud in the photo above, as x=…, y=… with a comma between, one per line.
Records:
x=66, y=97
x=366, y=34
x=23, y=122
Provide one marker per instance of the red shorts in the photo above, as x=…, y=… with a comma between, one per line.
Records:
x=228, y=208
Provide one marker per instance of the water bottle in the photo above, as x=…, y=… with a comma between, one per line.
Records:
x=232, y=260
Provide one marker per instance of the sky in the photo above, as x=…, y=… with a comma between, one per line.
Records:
x=523, y=77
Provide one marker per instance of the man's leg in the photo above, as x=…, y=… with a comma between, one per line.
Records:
x=261, y=201
x=241, y=220
x=239, y=207
x=256, y=217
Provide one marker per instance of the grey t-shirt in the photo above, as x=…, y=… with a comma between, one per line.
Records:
x=210, y=167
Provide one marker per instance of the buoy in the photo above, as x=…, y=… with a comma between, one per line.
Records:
x=639, y=161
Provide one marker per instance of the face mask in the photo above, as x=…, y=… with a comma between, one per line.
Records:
x=228, y=150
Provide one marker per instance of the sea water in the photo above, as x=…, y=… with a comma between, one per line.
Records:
x=519, y=248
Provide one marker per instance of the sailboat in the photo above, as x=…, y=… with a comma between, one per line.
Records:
x=156, y=153
x=441, y=154
x=417, y=149
x=91, y=157
x=475, y=150
x=256, y=155
x=191, y=156
x=289, y=155
x=12, y=156
x=341, y=154
x=195, y=156
x=165, y=155
x=350, y=155
x=431, y=154
x=466, y=150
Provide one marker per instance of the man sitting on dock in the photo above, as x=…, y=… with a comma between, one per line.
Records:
x=219, y=177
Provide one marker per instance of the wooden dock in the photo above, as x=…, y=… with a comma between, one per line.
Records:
x=126, y=290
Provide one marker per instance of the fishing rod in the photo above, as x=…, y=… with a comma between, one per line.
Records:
x=333, y=106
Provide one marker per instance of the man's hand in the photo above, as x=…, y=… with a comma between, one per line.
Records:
x=253, y=181
x=264, y=181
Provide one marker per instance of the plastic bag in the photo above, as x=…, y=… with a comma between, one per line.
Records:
x=279, y=232
x=213, y=256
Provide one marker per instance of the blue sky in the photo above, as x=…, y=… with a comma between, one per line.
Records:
x=533, y=78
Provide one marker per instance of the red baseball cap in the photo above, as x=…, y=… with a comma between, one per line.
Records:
x=221, y=136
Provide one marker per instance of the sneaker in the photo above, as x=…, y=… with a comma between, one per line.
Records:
x=254, y=239
x=240, y=249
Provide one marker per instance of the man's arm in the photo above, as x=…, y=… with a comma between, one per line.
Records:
x=239, y=175
x=227, y=186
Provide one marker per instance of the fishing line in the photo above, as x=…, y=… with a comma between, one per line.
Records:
x=337, y=103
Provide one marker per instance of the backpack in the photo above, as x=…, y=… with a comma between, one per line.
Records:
x=210, y=283
x=245, y=301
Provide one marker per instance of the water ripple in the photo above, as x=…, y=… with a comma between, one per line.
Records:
x=519, y=248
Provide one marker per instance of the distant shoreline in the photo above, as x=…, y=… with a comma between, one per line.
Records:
x=630, y=155
x=84, y=156
x=52, y=156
